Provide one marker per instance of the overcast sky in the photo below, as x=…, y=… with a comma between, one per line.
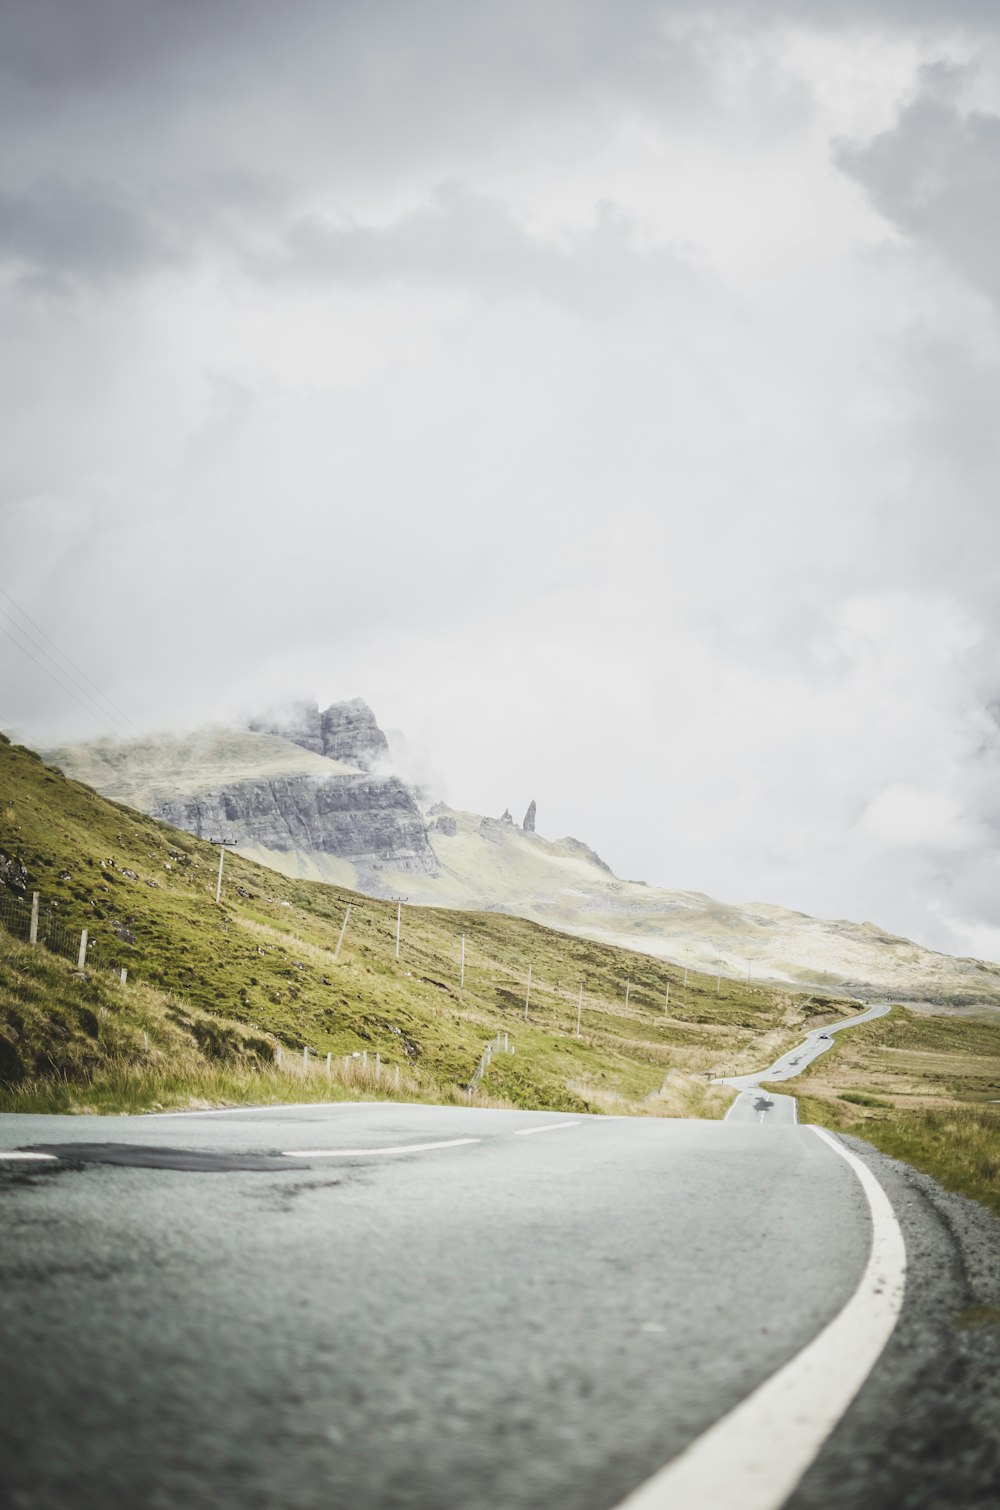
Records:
x=607, y=393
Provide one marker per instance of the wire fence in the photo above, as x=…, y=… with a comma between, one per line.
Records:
x=373, y=936
x=360, y=1068
x=476, y=973
x=501, y=1044
x=26, y=919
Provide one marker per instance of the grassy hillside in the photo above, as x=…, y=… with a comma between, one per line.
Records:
x=265, y=960
x=490, y=865
x=924, y=1089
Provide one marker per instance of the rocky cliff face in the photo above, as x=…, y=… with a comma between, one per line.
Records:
x=309, y=789
x=345, y=731
x=371, y=821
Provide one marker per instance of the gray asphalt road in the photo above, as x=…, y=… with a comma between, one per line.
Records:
x=540, y=1312
x=763, y=1107
x=812, y=1046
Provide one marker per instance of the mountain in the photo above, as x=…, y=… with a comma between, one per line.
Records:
x=311, y=793
x=313, y=790
x=345, y=732
x=565, y=885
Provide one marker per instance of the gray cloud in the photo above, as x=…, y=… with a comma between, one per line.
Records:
x=463, y=239
x=56, y=233
x=682, y=522
x=936, y=176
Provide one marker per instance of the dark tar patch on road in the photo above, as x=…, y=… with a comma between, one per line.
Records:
x=135, y=1156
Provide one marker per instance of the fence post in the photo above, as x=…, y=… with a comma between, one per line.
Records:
x=397, y=1077
x=378, y=1064
x=124, y=975
x=364, y=1059
x=33, y=931
x=277, y=1053
x=329, y=1065
x=305, y=1057
x=82, y=960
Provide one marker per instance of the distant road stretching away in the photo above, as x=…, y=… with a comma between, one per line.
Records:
x=754, y=1105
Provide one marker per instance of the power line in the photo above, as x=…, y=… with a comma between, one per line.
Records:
x=61, y=653
x=8, y=728
x=92, y=710
x=60, y=669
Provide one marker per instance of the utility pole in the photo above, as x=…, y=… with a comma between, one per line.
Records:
x=462, y=981
x=527, y=997
x=666, y=1004
x=399, y=918
x=628, y=987
x=685, y=974
x=579, y=1010
x=222, y=855
x=718, y=983
x=343, y=930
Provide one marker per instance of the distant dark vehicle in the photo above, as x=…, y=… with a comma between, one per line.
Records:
x=824, y=1035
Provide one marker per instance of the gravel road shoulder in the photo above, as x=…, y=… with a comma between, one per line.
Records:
x=924, y=1433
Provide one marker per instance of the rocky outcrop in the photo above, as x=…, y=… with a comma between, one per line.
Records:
x=13, y=874
x=529, y=818
x=445, y=824
x=506, y=818
x=369, y=820
x=347, y=732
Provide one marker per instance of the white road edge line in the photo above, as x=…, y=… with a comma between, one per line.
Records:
x=753, y=1458
x=739, y=1098
x=7, y=1154
x=269, y=1106
x=526, y=1132
x=352, y=1153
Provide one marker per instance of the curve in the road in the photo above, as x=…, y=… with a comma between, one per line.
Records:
x=753, y=1457
x=753, y=1105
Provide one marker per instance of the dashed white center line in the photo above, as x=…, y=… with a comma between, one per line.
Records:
x=356, y=1153
x=526, y=1132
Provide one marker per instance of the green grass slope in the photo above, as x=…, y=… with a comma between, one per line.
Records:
x=265, y=960
x=94, y=1045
